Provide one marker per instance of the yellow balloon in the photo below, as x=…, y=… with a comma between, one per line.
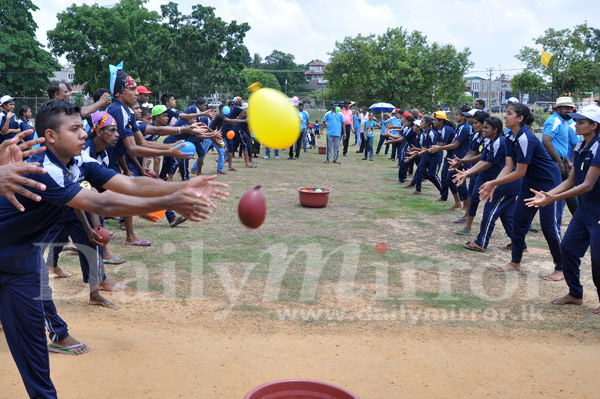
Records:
x=272, y=119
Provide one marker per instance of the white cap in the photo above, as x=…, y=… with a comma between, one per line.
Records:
x=513, y=100
x=591, y=112
x=418, y=122
x=6, y=99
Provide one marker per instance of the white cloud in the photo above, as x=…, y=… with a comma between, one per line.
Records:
x=494, y=30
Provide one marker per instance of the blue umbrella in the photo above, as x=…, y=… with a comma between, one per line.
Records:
x=382, y=107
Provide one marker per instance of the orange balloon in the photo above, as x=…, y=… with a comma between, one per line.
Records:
x=230, y=134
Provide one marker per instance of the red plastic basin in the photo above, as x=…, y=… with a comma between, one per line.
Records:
x=311, y=199
x=299, y=389
x=322, y=150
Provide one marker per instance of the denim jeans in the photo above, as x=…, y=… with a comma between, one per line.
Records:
x=369, y=147
x=268, y=152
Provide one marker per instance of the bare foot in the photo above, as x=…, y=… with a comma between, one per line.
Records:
x=60, y=273
x=567, y=300
x=509, y=267
x=454, y=207
x=98, y=300
x=555, y=276
x=71, y=345
x=221, y=173
x=111, y=285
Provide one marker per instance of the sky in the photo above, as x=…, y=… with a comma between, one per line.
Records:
x=493, y=30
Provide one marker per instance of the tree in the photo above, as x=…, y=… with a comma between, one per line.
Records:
x=397, y=67
x=256, y=61
x=251, y=75
x=575, y=63
x=25, y=67
x=91, y=37
x=285, y=69
x=527, y=82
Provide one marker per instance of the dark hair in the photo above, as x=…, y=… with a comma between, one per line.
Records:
x=524, y=111
x=428, y=120
x=449, y=123
x=98, y=93
x=166, y=97
x=410, y=119
x=495, y=123
x=54, y=88
x=464, y=108
x=49, y=115
x=481, y=116
x=23, y=109
x=200, y=101
x=480, y=101
x=146, y=111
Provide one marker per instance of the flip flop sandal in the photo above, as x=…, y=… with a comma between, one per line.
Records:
x=474, y=247
x=462, y=232
x=67, y=350
x=460, y=220
x=141, y=243
x=178, y=221
x=114, y=261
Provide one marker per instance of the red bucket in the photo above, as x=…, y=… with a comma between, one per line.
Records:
x=322, y=150
x=299, y=389
x=311, y=199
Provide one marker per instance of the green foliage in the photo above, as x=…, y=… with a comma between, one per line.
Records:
x=280, y=61
x=422, y=75
x=188, y=55
x=575, y=63
x=79, y=99
x=251, y=75
x=527, y=82
x=25, y=66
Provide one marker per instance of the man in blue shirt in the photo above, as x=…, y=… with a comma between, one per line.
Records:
x=303, y=115
x=21, y=308
x=557, y=142
x=335, y=126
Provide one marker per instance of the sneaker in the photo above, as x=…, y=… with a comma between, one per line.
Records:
x=364, y=159
x=338, y=162
x=290, y=158
x=327, y=161
x=266, y=157
x=295, y=158
x=277, y=157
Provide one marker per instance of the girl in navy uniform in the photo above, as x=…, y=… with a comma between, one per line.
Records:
x=447, y=134
x=429, y=164
x=584, y=183
x=493, y=160
x=474, y=156
x=526, y=158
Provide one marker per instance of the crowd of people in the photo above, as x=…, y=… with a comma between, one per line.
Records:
x=79, y=162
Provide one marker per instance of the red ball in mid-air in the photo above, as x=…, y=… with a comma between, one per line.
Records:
x=103, y=233
x=151, y=173
x=252, y=209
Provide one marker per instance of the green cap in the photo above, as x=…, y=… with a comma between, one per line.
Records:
x=158, y=110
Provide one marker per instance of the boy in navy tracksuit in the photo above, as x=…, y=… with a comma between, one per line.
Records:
x=583, y=182
x=21, y=308
x=447, y=135
x=539, y=172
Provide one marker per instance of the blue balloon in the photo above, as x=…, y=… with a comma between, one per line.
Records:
x=226, y=110
x=187, y=148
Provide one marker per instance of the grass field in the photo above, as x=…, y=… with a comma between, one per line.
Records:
x=324, y=259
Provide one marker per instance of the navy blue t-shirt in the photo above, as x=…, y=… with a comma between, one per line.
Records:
x=446, y=136
x=21, y=231
x=542, y=172
x=233, y=114
x=588, y=209
x=462, y=136
x=494, y=152
x=126, y=126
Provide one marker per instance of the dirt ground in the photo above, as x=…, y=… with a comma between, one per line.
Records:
x=177, y=348
x=136, y=354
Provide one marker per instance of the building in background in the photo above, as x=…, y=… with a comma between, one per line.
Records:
x=315, y=76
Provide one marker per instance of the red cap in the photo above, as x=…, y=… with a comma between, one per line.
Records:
x=420, y=115
x=406, y=113
x=143, y=90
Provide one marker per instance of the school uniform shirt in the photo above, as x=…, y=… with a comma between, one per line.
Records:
x=13, y=123
x=588, y=209
x=431, y=138
x=574, y=139
x=303, y=119
x=494, y=152
x=90, y=151
x=557, y=128
x=126, y=126
x=172, y=113
x=369, y=126
x=463, y=132
x=446, y=134
x=20, y=231
x=26, y=124
x=526, y=148
x=334, y=121
x=410, y=137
